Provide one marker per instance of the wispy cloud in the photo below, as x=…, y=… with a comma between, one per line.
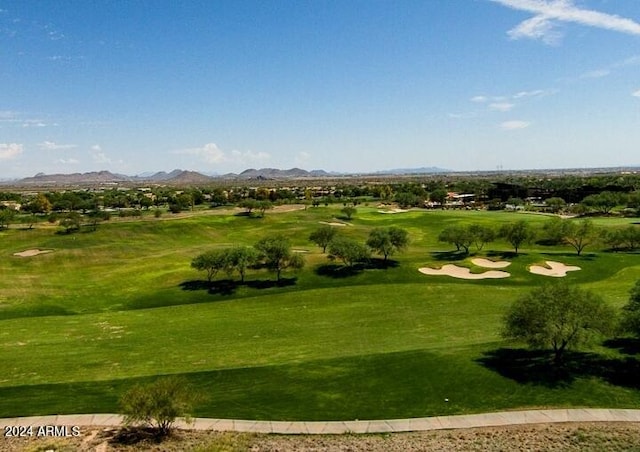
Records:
x=514, y=125
x=501, y=106
x=479, y=99
x=549, y=13
x=211, y=153
x=10, y=150
x=70, y=161
x=98, y=155
x=636, y=93
x=51, y=146
x=596, y=73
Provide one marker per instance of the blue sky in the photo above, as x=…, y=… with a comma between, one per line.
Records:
x=348, y=85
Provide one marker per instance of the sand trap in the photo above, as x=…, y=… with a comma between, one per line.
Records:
x=393, y=211
x=29, y=253
x=462, y=272
x=555, y=269
x=332, y=224
x=486, y=263
x=300, y=251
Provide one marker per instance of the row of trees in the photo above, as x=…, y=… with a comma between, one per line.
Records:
x=556, y=231
x=382, y=241
x=273, y=253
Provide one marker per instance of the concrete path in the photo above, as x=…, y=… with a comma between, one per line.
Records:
x=337, y=427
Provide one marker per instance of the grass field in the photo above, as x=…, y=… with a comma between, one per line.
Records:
x=109, y=308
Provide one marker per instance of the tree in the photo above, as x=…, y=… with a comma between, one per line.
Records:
x=323, y=236
x=6, y=217
x=277, y=254
x=517, y=233
x=631, y=312
x=264, y=206
x=603, y=202
x=212, y=262
x=558, y=316
x=96, y=216
x=158, y=404
x=387, y=241
x=578, y=235
x=553, y=231
x=458, y=236
x=249, y=205
x=240, y=258
x=71, y=222
x=481, y=235
x=439, y=195
x=348, y=211
x=556, y=204
x=349, y=251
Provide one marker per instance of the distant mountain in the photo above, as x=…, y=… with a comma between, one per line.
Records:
x=188, y=177
x=75, y=178
x=273, y=173
x=423, y=170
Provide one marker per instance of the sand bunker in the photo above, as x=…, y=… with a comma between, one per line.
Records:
x=29, y=253
x=393, y=211
x=462, y=272
x=555, y=269
x=486, y=263
x=332, y=224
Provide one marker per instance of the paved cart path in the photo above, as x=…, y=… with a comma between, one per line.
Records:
x=356, y=426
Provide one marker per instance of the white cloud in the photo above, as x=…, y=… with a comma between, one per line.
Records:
x=547, y=14
x=514, y=125
x=596, y=73
x=51, y=146
x=479, y=99
x=302, y=159
x=99, y=156
x=636, y=93
x=533, y=93
x=211, y=153
x=68, y=161
x=10, y=150
x=501, y=106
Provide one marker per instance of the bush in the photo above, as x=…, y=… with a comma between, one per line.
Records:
x=157, y=405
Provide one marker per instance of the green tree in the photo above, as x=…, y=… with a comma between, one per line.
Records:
x=387, y=241
x=71, y=222
x=263, y=206
x=212, y=262
x=323, y=236
x=553, y=231
x=158, y=404
x=579, y=235
x=631, y=312
x=558, y=316
x=277, y=254
x=249, y=205
x=6, y=217
x=517, y=233
x=96, y=216
x=348, y=250
x=240, y=258
x=348, y=212
x=481, y=235
x=458, y=236
x=555, y=204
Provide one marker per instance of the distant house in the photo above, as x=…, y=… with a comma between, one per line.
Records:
x=11, y=205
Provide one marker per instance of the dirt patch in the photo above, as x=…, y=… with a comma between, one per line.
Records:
x=554, y=269
x=557, y=437
x=332, y=223
x=462, y=272
x=30, y=253
x=486, y=263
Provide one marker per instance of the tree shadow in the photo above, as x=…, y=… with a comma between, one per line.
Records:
x=131, y=436
x=528, y=367
x=339, y=271
x=269, y=283
x=583, y=256
x=626, y=345
x=449, y=255
x=537, y=367
x=505, y=254
x=378, y=263
x=229, y=286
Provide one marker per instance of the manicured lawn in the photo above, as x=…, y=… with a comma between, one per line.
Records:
x=107, y=308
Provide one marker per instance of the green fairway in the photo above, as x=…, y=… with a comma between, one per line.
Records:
x=104, y=309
